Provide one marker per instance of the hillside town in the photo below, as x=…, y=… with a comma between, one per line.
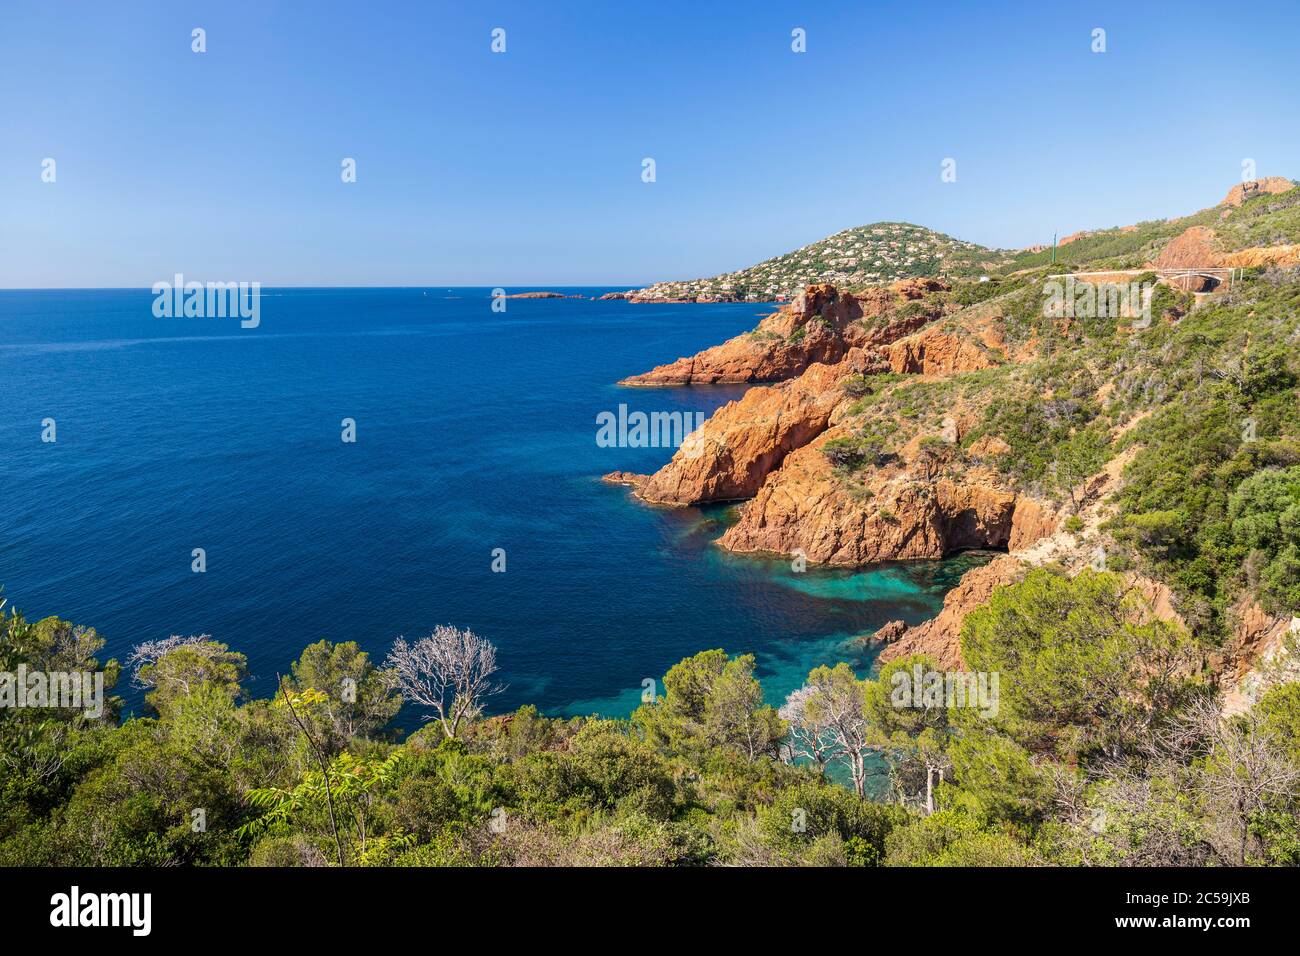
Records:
x=874, y=254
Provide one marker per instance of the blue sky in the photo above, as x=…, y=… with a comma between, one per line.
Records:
x=524, y=168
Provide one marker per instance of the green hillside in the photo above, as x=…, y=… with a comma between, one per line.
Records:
x=1265, y=220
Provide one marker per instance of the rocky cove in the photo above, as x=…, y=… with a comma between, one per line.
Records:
x=767, y=450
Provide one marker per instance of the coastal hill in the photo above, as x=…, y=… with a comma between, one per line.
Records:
x=876, y=254
x=887, y=252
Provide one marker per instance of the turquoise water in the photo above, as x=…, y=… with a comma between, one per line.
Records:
x=475, y=431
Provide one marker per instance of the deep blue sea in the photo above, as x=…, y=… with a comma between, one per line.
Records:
x=475, y=430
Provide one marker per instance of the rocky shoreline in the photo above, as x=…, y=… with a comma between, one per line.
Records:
x=768, y=450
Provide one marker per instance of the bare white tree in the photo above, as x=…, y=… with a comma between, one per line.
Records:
x=450, y=672
x=1231, y=769
x=151, y=652
x=1247, y=774
x=828, y=721
x=807, y=736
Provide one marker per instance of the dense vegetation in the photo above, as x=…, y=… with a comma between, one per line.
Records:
x=1104, y=747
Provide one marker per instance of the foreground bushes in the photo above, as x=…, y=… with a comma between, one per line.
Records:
x=1105, y=747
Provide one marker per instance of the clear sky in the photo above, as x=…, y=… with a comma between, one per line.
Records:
x=524, y=168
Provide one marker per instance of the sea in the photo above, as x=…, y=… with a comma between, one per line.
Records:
x=470, y=495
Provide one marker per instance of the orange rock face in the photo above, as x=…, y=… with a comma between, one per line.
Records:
x=1242, y=191
x=1194, y=248
x=940, y=638
x=804, y=507
x=915, y=288
x=1283, y=255
x=1083, y=233
x=630, y=478
x=1259, y=643
x=820, y=325
x=732, y=453
x=934, y=352
x=1030, y=521
x=1157, y=598
x=885, y=634
x=772, y=353
x=1255, y=633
